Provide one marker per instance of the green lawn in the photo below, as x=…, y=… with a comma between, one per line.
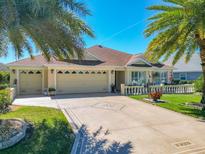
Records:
x=176, y=102
x=51, y=132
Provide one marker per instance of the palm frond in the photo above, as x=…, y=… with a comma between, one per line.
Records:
x=179, y=29
x=55, y=27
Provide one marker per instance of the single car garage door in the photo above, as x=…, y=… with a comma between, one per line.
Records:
x=81, y=81
x=30, y=82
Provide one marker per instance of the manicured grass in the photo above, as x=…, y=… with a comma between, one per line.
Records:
x=51, y=132
x=177, y=102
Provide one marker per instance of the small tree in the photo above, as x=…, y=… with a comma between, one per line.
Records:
x=198, y=84
x=179, y=29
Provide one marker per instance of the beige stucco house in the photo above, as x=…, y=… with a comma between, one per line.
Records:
x=100, y=69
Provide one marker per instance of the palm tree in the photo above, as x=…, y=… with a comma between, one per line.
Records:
x=55, y=27
x=178, y=29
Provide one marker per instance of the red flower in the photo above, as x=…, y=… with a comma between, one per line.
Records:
x=155, y=95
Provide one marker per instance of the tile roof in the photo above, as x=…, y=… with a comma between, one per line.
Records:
x=94, y=56
x=194, y=65
x=109, y=56
x=3, y=67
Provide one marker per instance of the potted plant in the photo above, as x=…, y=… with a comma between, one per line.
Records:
x=51, y=91
x=155, y=95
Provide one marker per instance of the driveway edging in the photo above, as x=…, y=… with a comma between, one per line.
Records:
x=76, y=131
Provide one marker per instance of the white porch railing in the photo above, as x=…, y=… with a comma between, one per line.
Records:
x=165, y=89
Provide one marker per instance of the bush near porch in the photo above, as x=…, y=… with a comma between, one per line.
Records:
x=4, y=79
x=51, y=132
x=177, y=102
x=198, y=84
x=5, y=100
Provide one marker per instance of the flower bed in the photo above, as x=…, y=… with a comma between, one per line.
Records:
x=155, y=95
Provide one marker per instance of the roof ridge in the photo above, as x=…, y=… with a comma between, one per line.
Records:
x=23, y=59
x=116, y=50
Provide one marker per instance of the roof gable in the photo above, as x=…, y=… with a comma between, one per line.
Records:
x=137, y=61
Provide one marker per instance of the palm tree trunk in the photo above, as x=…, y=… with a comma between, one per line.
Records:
x=202, y=55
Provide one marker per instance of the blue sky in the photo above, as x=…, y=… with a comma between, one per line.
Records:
x=125, y=18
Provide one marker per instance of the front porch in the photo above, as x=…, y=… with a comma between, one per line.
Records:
x=141, y=77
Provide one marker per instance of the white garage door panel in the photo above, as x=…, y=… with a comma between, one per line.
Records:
x=81, y=83
x=30, y=83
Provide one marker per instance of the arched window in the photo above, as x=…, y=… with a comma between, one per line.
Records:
x=67, y=72
x=104, y=72
x=74, y=72
x=60, y=72
x=23, y=72
x=30, y=72
x=92, y=72
x=99, y=72
x=80, y=72
x=86, y=72
x=38, y=72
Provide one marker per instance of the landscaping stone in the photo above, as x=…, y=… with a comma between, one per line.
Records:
x=11, y=132
x=152, y=101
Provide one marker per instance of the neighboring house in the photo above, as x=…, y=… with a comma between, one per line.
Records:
x=3, y=67
x=187, y=71
x=98, y=71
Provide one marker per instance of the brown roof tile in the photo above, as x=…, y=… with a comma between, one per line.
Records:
x=109, y=56
x=104, y=57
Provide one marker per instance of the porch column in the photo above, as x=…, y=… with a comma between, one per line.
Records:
x=55, y=78
x=109, y=81
x=127, y=77
x=151, y=76
x=42, y=73
x=169, y=76
x=18, y=82
x=147, y=77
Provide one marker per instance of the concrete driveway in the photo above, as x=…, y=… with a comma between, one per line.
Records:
x=118, y=124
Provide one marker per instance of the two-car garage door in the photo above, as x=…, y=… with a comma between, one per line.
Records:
x=81, y=81
x=67, y=82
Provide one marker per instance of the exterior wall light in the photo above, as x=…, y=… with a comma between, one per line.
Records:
x=13, y=71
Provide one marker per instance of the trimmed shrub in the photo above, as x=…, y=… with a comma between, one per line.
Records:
x=4, y=80
x=4, y=100
x=178, y=82
x=4, y=77
x=198, y=84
